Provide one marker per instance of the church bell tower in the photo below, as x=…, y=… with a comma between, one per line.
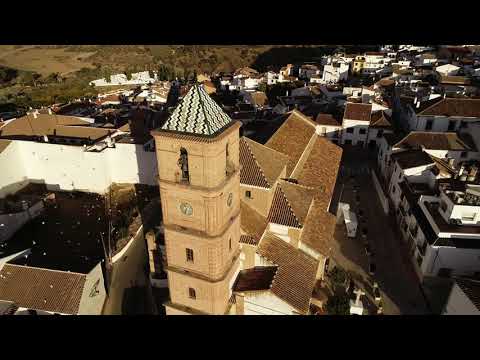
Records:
x=199, y=178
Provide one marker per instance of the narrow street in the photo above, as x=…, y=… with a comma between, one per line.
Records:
x=394, y=273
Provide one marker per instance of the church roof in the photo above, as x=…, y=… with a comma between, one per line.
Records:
x=197, y=114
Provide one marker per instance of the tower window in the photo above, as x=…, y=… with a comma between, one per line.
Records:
x=192, y=294
x=230, y=244
x=248, y=194
x=189, y=253
x=183, y=164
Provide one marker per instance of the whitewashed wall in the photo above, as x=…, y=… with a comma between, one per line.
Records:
x=10, y=223
x=71, y=168
x=94, y=293
x=12, y=170
x=265, y=303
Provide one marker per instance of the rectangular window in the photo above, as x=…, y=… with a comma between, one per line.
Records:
x=189, y=253
x=248, y=194
x=429, y=125
x=379, y=133
x=360, y=143
x=463, y=154
x=350, y=130
x=348, y=142
x=463, y=124
x=362, y=131
x=451, y=125
x=192, y=294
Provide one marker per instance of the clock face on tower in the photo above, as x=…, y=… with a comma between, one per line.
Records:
x=230, y=199
x=186, y=209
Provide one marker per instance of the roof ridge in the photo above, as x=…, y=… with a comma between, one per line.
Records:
x=256, y=162
x=197, y=87
x=44, y=269
x=304, y=117
x=429, y=107
x=290, y=206
x=263, y=145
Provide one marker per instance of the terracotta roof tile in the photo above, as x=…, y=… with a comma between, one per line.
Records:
x=251, y=173
x=359, y=112
x=380, y=119
x=435, y=141
x=298, y=197
x=252, y=222
x=271, y=162
x=249, y=240
x=318, y=230
x=321, y=167
x=412, y=158
x=294, y=281
x=254, y=279
x=281, y=211
x=42, y=289
x=46, y=124
x=327, y=119
x=292, y=138
x=454, y=107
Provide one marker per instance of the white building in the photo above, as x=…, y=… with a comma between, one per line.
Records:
x=271, y=77
x=140, y=78
x=329, y=127
x=78, y=157
x=54, y=292
x=335, y=72
x=356, y=120
x=447, y=70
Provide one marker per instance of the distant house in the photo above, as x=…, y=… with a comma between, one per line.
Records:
x=447, y=70
x=329, y=127
x=335, y=72
x=356, y=121
x=256, y=98
x=41, y=291
x=307, y=71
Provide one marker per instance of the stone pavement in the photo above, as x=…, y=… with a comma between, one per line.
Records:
x=399, y=286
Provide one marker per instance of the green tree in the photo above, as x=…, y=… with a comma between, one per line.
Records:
x=262, y=87
x=25, y=78
x=338, y=305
